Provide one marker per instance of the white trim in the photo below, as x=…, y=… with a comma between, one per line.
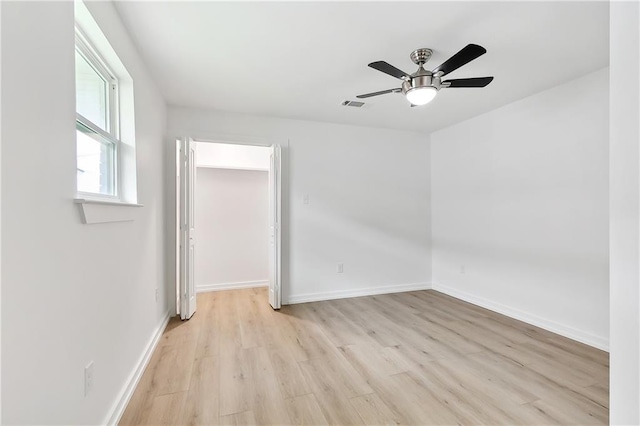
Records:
x=251, y=169
x=599, y=342
x=120, y=405
x=344, y=294
x=230, y=286
x=235, y=139
x=111, y=134
x=99, y=211
x=114, y=202
x=93, y=57
x=123, y=123
x=92, y=127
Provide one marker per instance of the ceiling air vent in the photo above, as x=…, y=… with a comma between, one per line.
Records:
x=355, y=104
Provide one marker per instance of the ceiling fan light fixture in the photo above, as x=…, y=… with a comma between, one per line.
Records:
x=422, y=86
x=421, y=95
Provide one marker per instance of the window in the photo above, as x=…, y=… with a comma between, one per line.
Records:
x=97, y=125
x=105, y=119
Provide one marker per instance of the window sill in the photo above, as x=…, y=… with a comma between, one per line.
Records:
x=106, y=211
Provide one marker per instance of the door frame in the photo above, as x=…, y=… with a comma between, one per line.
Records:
x=184, y=221
x=282, y=249
x=275, y=226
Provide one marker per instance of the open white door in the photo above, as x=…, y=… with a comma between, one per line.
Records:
x=275, y=228
x=178, y=227
x=187, y=248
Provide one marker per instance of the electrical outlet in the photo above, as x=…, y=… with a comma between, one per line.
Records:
x=305, y=199
x=88, y=378
x=462, y=270
x=157, y=295
x=340, y=268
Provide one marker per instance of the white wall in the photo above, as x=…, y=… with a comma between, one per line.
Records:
x=71, y=293
x=230, y=156
x=367, y=205
x=519, y=200
x=625, y=213
x=232, y=228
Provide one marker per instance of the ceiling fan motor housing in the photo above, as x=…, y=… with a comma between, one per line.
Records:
x=421, y=78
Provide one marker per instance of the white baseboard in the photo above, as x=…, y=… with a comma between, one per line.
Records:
x=130, y=386
x=599, y=342
x=344, y=294
x=230, y=286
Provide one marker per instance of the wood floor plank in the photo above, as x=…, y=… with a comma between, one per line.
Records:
x=414, y=402
x=370, y=322
x=177, y=331
x=528, y=414
x=305, y=410
x=336, y=373
x=174, y=367
x=142, y=399
x=235, y=369
x=549, y=367
x=373, y=410
x=463, y=392
x=208, y=343
x=580, y=349
x=165, y=409
x=334, y=405
x=308, y=335
x=371, y=361
x=419, y=357
x=288, y=374
x=562, y=413
x=475, y=376
x=337, y=327
x=332, y=390
x=267, y=403
x=524, y=380
x=208, y=321
x=203, y=397
x=592, y=371
x=250, y=327
x=283, y=328
x=598, y=393
x=246, y=418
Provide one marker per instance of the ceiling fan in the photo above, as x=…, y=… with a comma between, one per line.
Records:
x=422, y=86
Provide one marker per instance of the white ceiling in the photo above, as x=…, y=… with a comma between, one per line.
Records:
x=301, y=60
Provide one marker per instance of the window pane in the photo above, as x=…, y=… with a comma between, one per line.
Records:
x=95, y=163
x=91, y=93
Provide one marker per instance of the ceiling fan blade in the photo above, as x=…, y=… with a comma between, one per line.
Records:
x=464, y=56
x=469, y=82
x=382, y=92
x=389, y=69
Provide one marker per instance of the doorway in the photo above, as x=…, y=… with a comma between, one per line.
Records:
x=219, y=207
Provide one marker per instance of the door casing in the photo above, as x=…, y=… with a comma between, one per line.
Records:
x=185, y=285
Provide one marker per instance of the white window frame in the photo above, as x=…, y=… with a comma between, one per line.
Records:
x=91, y=55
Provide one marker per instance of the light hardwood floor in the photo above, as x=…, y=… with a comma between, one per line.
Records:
x=409, y=358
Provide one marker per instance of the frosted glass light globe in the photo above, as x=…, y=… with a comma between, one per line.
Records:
x=421, y=95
